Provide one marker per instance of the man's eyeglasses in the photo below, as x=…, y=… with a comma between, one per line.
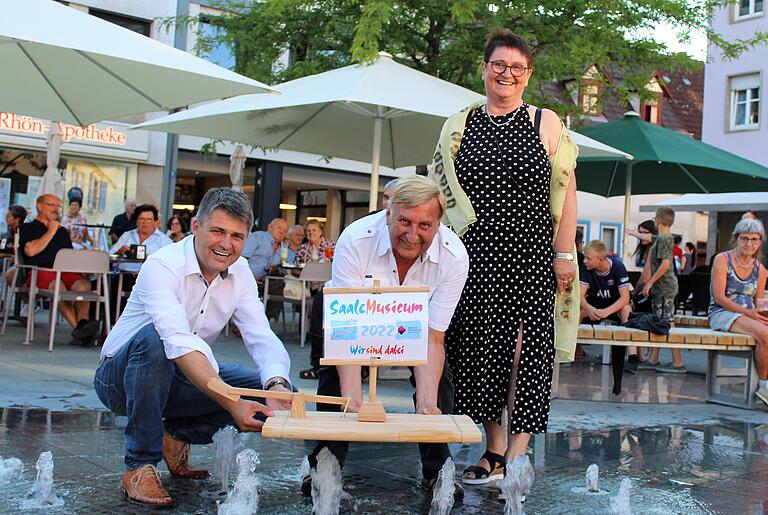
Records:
x=517, y=69
x=755, y=240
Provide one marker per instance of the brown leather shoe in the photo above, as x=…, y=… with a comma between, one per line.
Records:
x=176, y=456
x=143, y=486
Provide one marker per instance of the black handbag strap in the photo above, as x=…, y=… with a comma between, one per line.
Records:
x=537, y=121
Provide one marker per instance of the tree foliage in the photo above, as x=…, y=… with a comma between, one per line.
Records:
x=445, y=38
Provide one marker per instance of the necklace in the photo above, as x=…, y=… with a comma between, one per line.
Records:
x=510, y=120
x=744, y=265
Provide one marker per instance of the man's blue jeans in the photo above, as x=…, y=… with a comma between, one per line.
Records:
x=140, y=382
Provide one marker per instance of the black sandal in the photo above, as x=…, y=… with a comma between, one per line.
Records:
x=483, y=475
x=310, y=373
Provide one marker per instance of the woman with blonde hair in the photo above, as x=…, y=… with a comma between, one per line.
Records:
x=315, y=248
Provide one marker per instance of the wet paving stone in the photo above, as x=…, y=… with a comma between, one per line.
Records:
x=717, y=468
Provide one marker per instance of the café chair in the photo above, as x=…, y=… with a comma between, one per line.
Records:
x=18, y=288
x=312, y=272
x=86, y=262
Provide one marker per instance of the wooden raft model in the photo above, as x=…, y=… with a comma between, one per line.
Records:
x=372, y=424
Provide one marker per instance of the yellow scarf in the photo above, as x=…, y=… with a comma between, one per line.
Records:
x=460, y=213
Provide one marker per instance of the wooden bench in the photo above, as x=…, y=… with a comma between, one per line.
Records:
x=691, y=321
x=717, y=344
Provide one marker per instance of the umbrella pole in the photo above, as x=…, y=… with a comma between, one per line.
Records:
x=374, y=197
x=627, y=203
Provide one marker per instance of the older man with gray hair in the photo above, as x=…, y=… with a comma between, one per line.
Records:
x=404, y=245
x=124, y=221
x=386, y=196
x=157, y=360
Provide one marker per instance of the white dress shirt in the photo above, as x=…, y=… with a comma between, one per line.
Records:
x=364, y=253
x=154, y=242
x=189, y=314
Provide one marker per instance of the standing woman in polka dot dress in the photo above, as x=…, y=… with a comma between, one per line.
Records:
x=500, y=343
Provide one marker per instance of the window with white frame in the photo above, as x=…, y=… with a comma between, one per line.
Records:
x=584, y=228
x=609, y=234
x=747, y=9
x=745, y=102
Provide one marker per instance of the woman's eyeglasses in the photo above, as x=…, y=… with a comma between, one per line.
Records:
x=517, y=69
x=755, y=240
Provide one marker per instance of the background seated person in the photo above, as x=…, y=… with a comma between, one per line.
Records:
x=40, y=240
x=738, y=281
x=146, y=233
x=262, y=250
x=124, y=221
x=605, y=286
x=176, y=229
x=14, y=217
x=75, y=223
x=605, y=290
x=295, y=239
x=314, y=249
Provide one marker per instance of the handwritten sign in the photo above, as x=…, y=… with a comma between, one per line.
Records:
x=391, y=325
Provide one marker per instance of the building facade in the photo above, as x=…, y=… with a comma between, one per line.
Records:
x=675, y=101
x=111, y=163
x=735, y=109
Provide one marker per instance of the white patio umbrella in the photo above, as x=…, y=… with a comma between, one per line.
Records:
x=52, y=182
x=63, y=64
x=384, y=113
x=236, y=165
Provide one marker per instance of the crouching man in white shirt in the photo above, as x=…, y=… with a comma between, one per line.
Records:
x=157, y=360
x=406, y=245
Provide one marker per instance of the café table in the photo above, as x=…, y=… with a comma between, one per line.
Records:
x=117, y=260
x=309, y=273
x=100, y=241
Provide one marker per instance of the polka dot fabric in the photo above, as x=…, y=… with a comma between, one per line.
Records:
x=511, y=282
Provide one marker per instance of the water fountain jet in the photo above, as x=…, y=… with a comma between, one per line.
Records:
x=10, y=470
x=592, y=477
x=516, y=484
x=243, y=499
x=43, y=494
x=327, y=491
x=226, y=446
x=620, y=504
x=442, y=499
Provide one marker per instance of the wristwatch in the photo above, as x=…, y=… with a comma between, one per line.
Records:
x=568, y=256
x=276, y=381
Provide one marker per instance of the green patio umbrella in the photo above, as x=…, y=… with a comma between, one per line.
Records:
x=664, y=161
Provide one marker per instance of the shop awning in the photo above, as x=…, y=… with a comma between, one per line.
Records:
x=737, y=202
